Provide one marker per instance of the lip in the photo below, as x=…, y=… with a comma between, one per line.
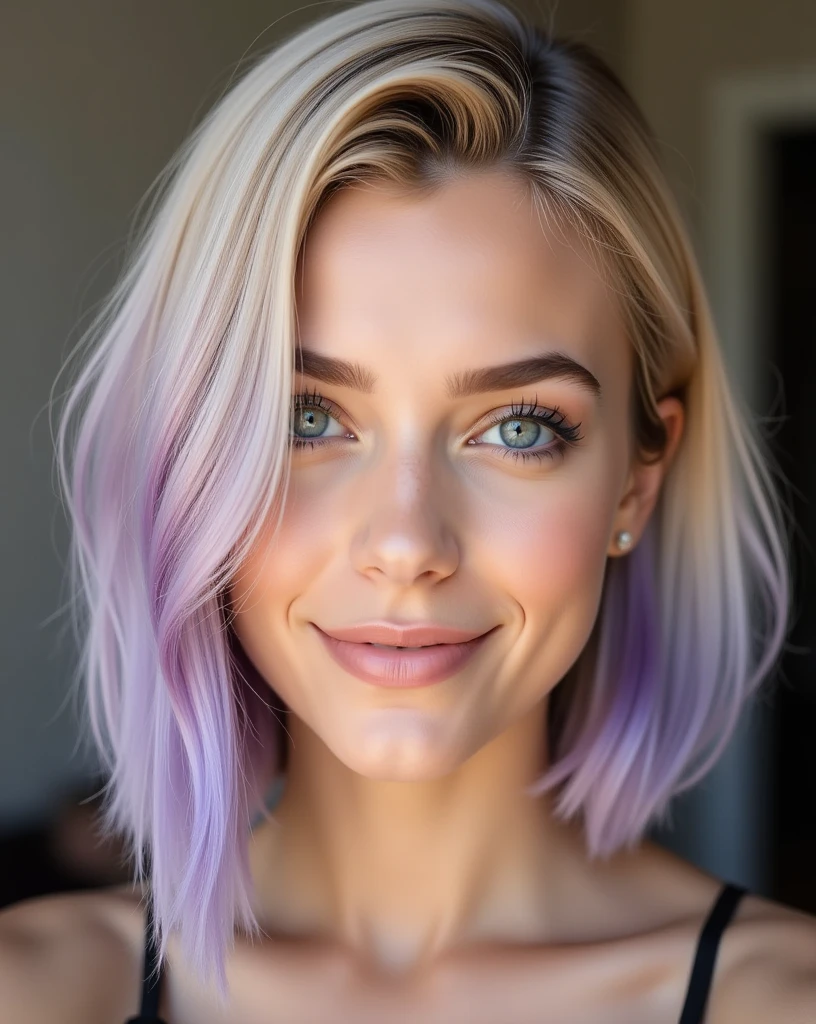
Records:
x=402, y=669
x=418, y=634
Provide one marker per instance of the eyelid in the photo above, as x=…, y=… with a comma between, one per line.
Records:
x=553, y=415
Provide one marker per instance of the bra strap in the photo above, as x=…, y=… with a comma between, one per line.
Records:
x=151, y=975
x=706, y=954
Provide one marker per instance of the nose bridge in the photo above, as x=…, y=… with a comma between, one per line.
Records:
x=404, y=527
x=404, y=487
x=410, y=469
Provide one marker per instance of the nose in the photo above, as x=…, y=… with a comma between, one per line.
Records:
x=405, y=534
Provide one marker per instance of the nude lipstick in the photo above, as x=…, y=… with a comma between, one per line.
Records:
x=410, y=656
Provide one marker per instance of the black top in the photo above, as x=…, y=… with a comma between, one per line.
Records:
x=696, y=995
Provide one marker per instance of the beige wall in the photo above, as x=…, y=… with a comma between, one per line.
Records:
x=674, y=51
x=600, y=23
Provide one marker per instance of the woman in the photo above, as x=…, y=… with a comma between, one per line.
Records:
x=413, y=353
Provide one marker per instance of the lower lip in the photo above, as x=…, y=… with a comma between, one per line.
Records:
x=401, y=669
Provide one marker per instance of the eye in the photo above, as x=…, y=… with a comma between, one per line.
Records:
x=311, y=421
x=530, y=431
x=520, y=432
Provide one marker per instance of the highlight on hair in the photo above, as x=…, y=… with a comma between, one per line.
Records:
x=172, y=446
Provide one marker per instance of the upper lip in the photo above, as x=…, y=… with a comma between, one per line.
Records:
x=419, y=634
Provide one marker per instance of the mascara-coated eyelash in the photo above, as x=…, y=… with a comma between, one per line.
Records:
x=313, y=398
x=553, y=419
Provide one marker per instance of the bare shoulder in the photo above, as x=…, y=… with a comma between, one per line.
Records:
x=770, y=968
x=765, y=965
x=71, y=957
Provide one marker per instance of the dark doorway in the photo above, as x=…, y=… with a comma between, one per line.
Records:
x=791, y=329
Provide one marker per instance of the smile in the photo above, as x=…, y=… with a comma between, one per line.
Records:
x=401, y=667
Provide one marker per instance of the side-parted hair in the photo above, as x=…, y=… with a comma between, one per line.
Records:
x=177, y=428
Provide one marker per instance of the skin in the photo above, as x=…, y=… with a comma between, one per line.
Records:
x=405, y=875
x=411, y=802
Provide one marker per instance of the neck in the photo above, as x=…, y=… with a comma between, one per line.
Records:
x=403, y=872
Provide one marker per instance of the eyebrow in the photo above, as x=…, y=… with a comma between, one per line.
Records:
x=550, y=365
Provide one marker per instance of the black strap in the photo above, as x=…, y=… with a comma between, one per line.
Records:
x=706, y=955
x=151, y=976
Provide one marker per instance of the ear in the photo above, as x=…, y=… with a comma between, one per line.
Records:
x=645, y=480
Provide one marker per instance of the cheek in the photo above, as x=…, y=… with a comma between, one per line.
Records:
x=546, y=554
x=280, y=565
x=274, y=570
x=278, y=570
x=549, y=546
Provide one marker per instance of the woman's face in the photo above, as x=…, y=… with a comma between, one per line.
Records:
x=416, y=502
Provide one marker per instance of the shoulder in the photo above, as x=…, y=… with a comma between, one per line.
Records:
x=769, y=973
x=765, y=964
x=71, y=957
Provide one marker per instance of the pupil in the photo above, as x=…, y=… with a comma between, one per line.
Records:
x=312, y=420
x=520, y=430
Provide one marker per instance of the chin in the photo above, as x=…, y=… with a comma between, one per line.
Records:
x=393, y=756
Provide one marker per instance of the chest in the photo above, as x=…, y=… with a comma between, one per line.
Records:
x=595, y=986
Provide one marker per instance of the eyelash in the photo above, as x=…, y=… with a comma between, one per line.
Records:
x=553, y=419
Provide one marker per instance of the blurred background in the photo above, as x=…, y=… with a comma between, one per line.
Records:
x=95, y=96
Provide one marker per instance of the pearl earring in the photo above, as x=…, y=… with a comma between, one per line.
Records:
x=624, y=540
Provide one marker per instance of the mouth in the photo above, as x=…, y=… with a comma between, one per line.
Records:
x=398, y=665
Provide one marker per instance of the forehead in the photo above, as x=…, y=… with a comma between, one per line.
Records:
x=474, y=264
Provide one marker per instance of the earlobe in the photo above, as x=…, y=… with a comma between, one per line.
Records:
x=645, y=482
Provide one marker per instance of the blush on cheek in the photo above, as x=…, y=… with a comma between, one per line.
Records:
x=561, y=576
x=550, y=560
x=284, y=561
x=556, y=542
x=558, y=585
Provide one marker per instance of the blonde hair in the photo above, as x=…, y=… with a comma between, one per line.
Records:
x=180, y=453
